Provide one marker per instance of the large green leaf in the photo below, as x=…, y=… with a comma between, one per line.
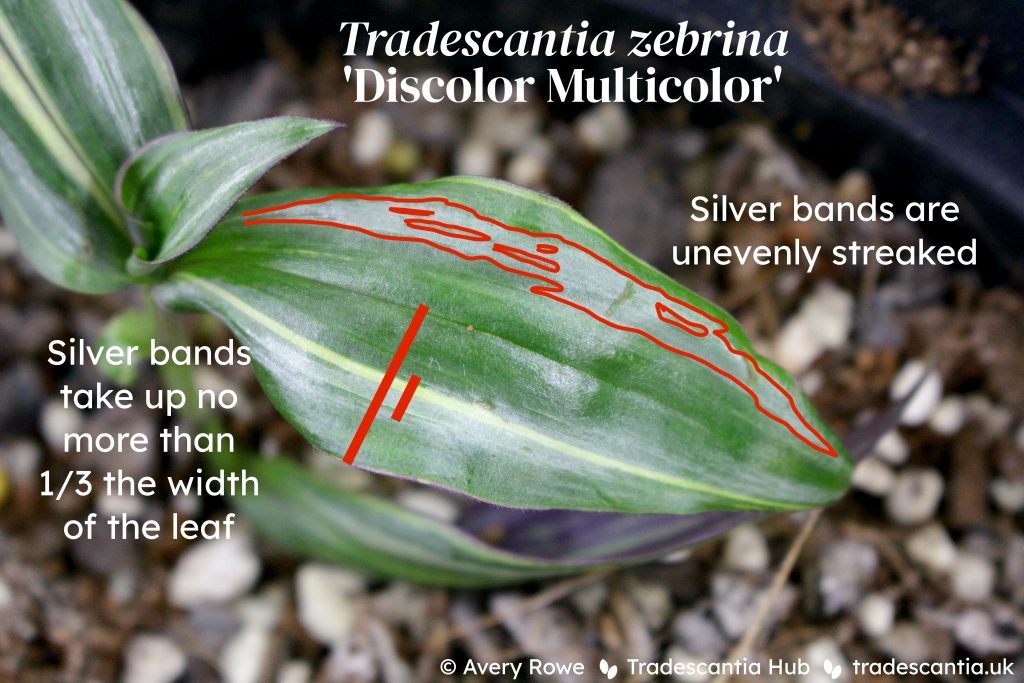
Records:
x=602, y=386
x=180, y=185
x=83, y=84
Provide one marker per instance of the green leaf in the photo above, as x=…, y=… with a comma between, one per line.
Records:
x=180, y=185
x=130, y=327
x=603, y=386
x=308, y=517
x=83, y=84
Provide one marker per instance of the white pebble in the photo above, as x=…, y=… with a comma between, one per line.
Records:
x=915, y=497
x=6, y=596
x=264, y=610
x=973, y=577
x=242, y=659
x=429, y=503
x=325, y=597
x=822, y=323
x=926, y=398
x=824, y=655
x=153, y=659
x=476, y=157
x=797, y=347
x=873, y=476
x=213, y=572
x=907, y=642
x=21, y=460
x=746, y=550
x=736, y=599
x=854, y=186
x=932, y=548
x=696, y=632
x=875, y=614
x=892, y=448
x=605, y=128
x=530, y=167
x=846, y=567
x=653, y=600
x=811, y=382
x=949, y=417
x=979, y=631
x=372, y=136
x=55, y=421
x=1008, y=495
x=295, y=671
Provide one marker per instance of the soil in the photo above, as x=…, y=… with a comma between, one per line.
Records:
x=877, y=49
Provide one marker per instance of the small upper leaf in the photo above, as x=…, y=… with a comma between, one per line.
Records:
x=83, y=84
x=179, y=186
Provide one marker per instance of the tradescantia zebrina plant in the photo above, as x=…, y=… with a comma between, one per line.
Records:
x=604, y=413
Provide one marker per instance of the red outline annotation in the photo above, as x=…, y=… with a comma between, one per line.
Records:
x=420, y=222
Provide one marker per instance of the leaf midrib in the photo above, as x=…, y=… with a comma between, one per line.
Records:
x=477, y=414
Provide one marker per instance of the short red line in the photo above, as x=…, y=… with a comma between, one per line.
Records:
x=403, y=402
x=385, y=384
x=410, y=212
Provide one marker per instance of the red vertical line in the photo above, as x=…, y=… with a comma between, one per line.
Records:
x=385, y=384
x=403, y=402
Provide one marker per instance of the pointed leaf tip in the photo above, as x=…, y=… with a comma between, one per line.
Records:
x=177, y=187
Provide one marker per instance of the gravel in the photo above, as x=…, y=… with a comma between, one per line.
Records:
x=845, y=568
x=821, y=324
x=605, y=128
x=153, y=659
x=874, y=476
x=892, y=448
x=932, y=548
x=372, y=137
x=875, y=614
x=214, y=572
x=326, y=598
x=746, y=550
x=973, y=577
x=477, y=157
x=915, y=496
x=926, y=383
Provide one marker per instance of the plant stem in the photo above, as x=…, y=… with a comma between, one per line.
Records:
x=171, y=333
